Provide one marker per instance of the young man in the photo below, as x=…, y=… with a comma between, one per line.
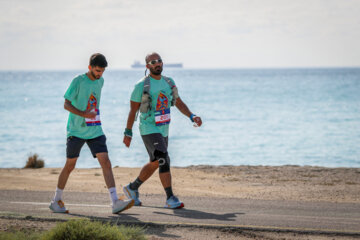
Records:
x=153, y=96
x=82, y=100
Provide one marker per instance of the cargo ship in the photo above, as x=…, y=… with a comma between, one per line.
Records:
x=137, y=64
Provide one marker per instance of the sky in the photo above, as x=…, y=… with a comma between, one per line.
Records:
x=61, y=35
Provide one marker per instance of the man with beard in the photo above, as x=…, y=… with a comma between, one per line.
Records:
x=82, y=100
x=153, y=96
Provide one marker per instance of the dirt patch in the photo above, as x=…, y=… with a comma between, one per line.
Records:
x=248, y=182
x=170, y=233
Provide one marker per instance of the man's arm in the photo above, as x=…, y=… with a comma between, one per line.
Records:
x=86, y=114
x=134, y=107
x=186, y=111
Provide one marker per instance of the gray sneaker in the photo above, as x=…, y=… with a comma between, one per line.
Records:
x=132, y=194
x=174, y=203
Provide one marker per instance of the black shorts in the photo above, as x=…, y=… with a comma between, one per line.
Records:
x=74, y=145
x=153, y=142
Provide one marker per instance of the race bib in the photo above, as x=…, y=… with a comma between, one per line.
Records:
x=94, y=121
x=162, y=117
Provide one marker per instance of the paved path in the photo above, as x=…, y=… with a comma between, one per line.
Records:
x=322, y=217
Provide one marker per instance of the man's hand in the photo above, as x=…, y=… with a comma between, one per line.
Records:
x=127, y=141
x=134, y=107
x=197, y=121
x=90, y=113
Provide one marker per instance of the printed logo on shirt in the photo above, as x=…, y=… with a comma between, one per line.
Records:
x=162, y=102
x=92, y=104
x=162, y=113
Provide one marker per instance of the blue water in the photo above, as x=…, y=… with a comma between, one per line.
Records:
x=252, y=117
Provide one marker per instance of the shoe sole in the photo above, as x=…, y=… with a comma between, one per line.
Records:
x=128, y=195
x=125, y=208
x=178, y=207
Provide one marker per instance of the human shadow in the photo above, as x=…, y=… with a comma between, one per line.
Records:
x=196, y=214
x=123, y=217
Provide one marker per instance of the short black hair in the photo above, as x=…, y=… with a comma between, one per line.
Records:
x=97, y=59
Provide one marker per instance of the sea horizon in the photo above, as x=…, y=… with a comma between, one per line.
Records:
x=109, y=68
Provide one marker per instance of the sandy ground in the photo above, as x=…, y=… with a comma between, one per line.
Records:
x=170, y=233
x=250, y=182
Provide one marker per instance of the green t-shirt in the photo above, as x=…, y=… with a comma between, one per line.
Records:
x=83, y=93
x=160, y=93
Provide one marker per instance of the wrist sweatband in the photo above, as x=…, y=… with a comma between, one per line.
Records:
x=128, y=132
x=192, y=117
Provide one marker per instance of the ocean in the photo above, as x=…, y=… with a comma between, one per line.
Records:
x=250, y=117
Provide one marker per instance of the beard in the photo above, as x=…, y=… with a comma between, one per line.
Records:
x=156, y=71
x=93, y=75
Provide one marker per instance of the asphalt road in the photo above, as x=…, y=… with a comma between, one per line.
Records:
x=318, y=217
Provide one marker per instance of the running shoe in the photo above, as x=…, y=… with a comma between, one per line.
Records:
x=58, y=207
x=132, y=194
x=173, y=202
x=122, y=205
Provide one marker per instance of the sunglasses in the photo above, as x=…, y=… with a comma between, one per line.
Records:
x=152, y=62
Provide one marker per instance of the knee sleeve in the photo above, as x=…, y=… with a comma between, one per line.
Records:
x=164, y=161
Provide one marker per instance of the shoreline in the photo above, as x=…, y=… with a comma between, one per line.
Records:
x=287, y=182
x=199, y=165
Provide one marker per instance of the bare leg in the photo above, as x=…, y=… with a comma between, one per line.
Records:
x=148, y=170
x=65, y=172
x=165, y=179
x=105, y=164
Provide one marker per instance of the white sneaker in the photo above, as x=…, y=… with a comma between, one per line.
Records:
x=122, y=205
x=58, y=207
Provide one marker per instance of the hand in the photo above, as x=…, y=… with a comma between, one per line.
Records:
x=197, y=120
x=90, y=113
x=127, y=141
